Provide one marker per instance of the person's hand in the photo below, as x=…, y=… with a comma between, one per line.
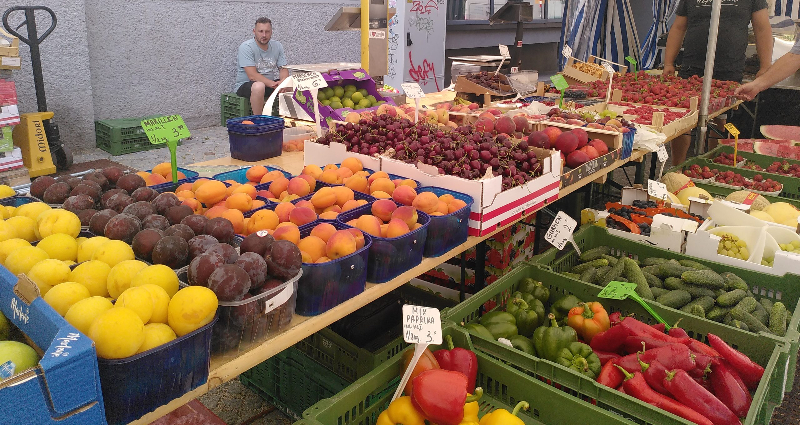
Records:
x=747, y=91
x=669, y=70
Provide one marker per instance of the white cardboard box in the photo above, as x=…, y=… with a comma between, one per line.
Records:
x=322, y=155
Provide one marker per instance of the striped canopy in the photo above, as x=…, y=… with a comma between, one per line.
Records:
x=788, y=8
x=663, y=11
x=603, y=28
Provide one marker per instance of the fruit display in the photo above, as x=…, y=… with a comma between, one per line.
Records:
x=638, y=217
x=727, y=159
x=490, y=80
x=387, y=221
x=588, y=120
x=347, y=96
x=644, y=113
x=593, y=69
x=732, y=246
x=161, y=173
x=670, y=91
x=730, y=178
x=575, y=146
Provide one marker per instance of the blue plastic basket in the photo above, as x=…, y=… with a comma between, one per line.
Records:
x=261, y=124
x=258, y=141
x=326, y=285
x=17, y=200
x=390, y=257
x=240, y=176
x=447, y=231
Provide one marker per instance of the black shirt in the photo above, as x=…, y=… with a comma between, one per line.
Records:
x=731, y=39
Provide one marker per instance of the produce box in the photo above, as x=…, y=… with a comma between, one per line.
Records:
x=322, y=155
x=258, y=141
x=64, y=388
x=791, y=184
x=612, y=139
x=790, y=190
x=493, y=207
x=362, y=402
x=591, y=70
x=463, y=85
x=686, y=122
x=763, y=349
x=761, y=160
x=778, y=288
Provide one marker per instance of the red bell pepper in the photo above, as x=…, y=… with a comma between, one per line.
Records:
x=726, y=387
x=459, y=360
x=750, y=371
x=636, y=386
x=610, y=376
x=687, y=391
x=426, y=362
x=441, y=395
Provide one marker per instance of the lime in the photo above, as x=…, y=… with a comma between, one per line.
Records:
x=336, y=105
x=326, y=102
x=363, y=92
x=364, y=103
x=356, y=97
x=321, y=96
x=372, y=99
x=328, y=92
x=338, y=91
x=350, y=87
x=335, y=99
x=347, y=103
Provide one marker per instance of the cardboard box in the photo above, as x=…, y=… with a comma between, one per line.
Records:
x=493, y=206
x=319, y=154
x=585, y=77
x=65, y=387
x=463, y=85
x=288, y=107
x=612, y=139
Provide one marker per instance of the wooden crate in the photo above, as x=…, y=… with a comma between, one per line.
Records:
x=9, y=56
x=463, y=85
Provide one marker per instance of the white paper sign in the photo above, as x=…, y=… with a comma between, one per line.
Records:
x=309, y=81
x=9, y=61
x=662, y=154
x=566, y=51
x=560, y=231
x=657, y=189
x=514, y=69
x=607, y=66
x=412, y=90
x=380, y=34
x=504, y=51
x=422, y=325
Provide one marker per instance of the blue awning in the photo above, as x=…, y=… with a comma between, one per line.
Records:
x=663, y=11
x=603, y=28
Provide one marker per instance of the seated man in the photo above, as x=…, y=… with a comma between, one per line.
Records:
x=261, y=67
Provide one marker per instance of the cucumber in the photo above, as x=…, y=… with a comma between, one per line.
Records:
x=588, y=274
x=571, y=275
x=635, y=275
x=761, y=314
x=653, y=261
x=706, y=302
x=673, y=283
x=739, y=324
x=652, y=280
x=671, y=269
x=675, y=299
x=752, y=323
x=734, y=282
x=653, y=270
x=766, y=303
x=699, y=291
x=611, y=260
x=747, y=304
x=718, y=292
x=595, y=253
x=778, y=318
x=694, y=310
x=731, y=298
x=693, y=264
x=600, y=275
x=708, y=278
x=614, y=273
x=657, y=292
x=580, y=268
x=717, y=313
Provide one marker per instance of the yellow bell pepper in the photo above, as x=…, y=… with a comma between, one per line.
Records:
x=503, y=417
x=401, y=411
x=471, y=412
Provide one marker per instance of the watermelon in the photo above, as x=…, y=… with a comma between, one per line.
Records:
x=779, y=150
x=782, y=132
x=747, y=145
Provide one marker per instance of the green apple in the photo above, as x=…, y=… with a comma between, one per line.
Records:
x=5, y=328
x=21, y=355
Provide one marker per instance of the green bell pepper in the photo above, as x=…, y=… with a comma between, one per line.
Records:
x=528, y=298
x=562, y=306
x=548, y=341
x=539, y=291
x=580, y=358
x=500, y=324
x=528, y=317
x=523, y=344
x=479, y=330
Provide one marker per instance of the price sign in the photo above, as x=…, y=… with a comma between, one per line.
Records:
x=504, y=51
x=618, y=290
x=735, y=133
x=657, y=190
x=566, y=51
x=631, y=61
x=309, y=81
x=559, y=81
x=732, y=129
x=514, y=69
x=662, y=154
x=412, y=90
x=607, y=66
x=421, y=325
x=163, y=129
x=560, y=231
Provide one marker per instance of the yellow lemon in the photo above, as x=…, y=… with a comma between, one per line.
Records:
x=7, y=231
x=117, y=333
x=24, y=227
x=82, y=313
x=5, y=213
x=32, y=210
x=119, y=279
x=48, y=273
x=192, y=308
x=160, y=275
x=93, y=275
x=156, y=334
x=58, y=221
x=24, y=258
x=138, y=300
x=160, y=303
x=89, y=246
x=6, y=191
x=10, y=245
x=112, y=252
x=59, y=246
x=81, y=239
x=64, y=295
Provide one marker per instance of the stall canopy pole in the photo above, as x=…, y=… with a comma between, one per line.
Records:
x=711, y=51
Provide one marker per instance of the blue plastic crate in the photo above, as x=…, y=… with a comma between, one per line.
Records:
x=390, y=257
x=239, y=175
x=169, y=186
x=17, y=200
x=447, y=231
x=326, y=285
x=258, y=141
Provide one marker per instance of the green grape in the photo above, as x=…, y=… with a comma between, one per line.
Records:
x=796, y=243
x=744, y=253
x=741, y=244
x=728, y=244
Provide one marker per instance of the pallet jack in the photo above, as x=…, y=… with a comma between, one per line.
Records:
x=37, y=135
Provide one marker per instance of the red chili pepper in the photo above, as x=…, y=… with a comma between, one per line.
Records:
x=704, y=382
x=678, y=332
x=728, y=390
x=700, y=348
x=659, y=327
x=633, y=343
x=702, y=362
x=654, y=373
x=611, y=340
x=687, y=391
x=460, y=360
x=643, y=329
x=734, y=373
x=610, y=375
x=750, y=371
x=605, y=356
x=615, y=318
x=440, y=395
x=636, y=386
x=621, y=389
x=675, y=356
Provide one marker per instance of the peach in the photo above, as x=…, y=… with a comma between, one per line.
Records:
x=215, y=211
x=211, y=192
x=236, y=218
x=349, y=205
x=312, y=170
x=455, y=205
x=271, y=176
x=408, y=182
x=442, y=208
x=426, y=202
x=381, y=194
x=331, y=177
x=323, y=231
x=383, y=209
x=306, y=204
x=199, y=182
x=279, y=185
x=283, y=210
x=164, y=169
x=416, y=226
x=312, y=182
x=257, y=203
x=378, y=175
x=289, y=233
x=183, y=186
x=359, y=237
x=344, y=172
x=353, y=164
x=352, y=222
x=343, y=194
x=185, y=194
x=396, y=228
x=302, y=215
x=370, y=224
x=314, y=246
x=328, y=215
x=240, y=201
x=322, y=260
x=324, y=197
x=334, y=208
x=298, y=186
x=446, y=198
x=263, y=220
x=340, y=244
x=304, y=256
x=154, y=179
x=358, y=183
x=265, y=194
x=194, y=204
x=288, y=198
x=384, y=230
x=231, y=188
x=436, y=213
x=250, y=190
x=407, y=214
x=361, y=202
x=255, y=173
x=143, y=174
x=363, y=173
x=330, y=167
x=181, y=176
x=383, y=185
x=404, y=195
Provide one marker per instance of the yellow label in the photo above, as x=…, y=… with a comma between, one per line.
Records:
x=732, y=129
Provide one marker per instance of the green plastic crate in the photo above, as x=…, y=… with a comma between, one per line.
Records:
x=352, y=362
x=503, y=388
x=292, y=382
x=122, y=136
x=791, y=185
x=233, y=106
x=766, y=350
x=762, y=160
x=779, y=288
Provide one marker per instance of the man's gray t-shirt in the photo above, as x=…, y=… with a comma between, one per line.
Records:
x=732, y=38
x=266, y=62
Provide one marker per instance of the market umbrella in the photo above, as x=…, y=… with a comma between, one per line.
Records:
x=579, y=24
x=603, y=28
x=663, y=11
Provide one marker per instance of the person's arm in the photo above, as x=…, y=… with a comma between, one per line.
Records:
x=674, y=42
x=787, y=65
x=764, y=41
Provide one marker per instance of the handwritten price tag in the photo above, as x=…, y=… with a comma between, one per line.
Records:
x=504, y=51
x=412, y=90
x=566, y=51
x=657, y=190
x=422, y=325
x=662, y=154
x=607, y=66
x=560, y=231
x=164, y=129
x=732, y=129
x=309, y=81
